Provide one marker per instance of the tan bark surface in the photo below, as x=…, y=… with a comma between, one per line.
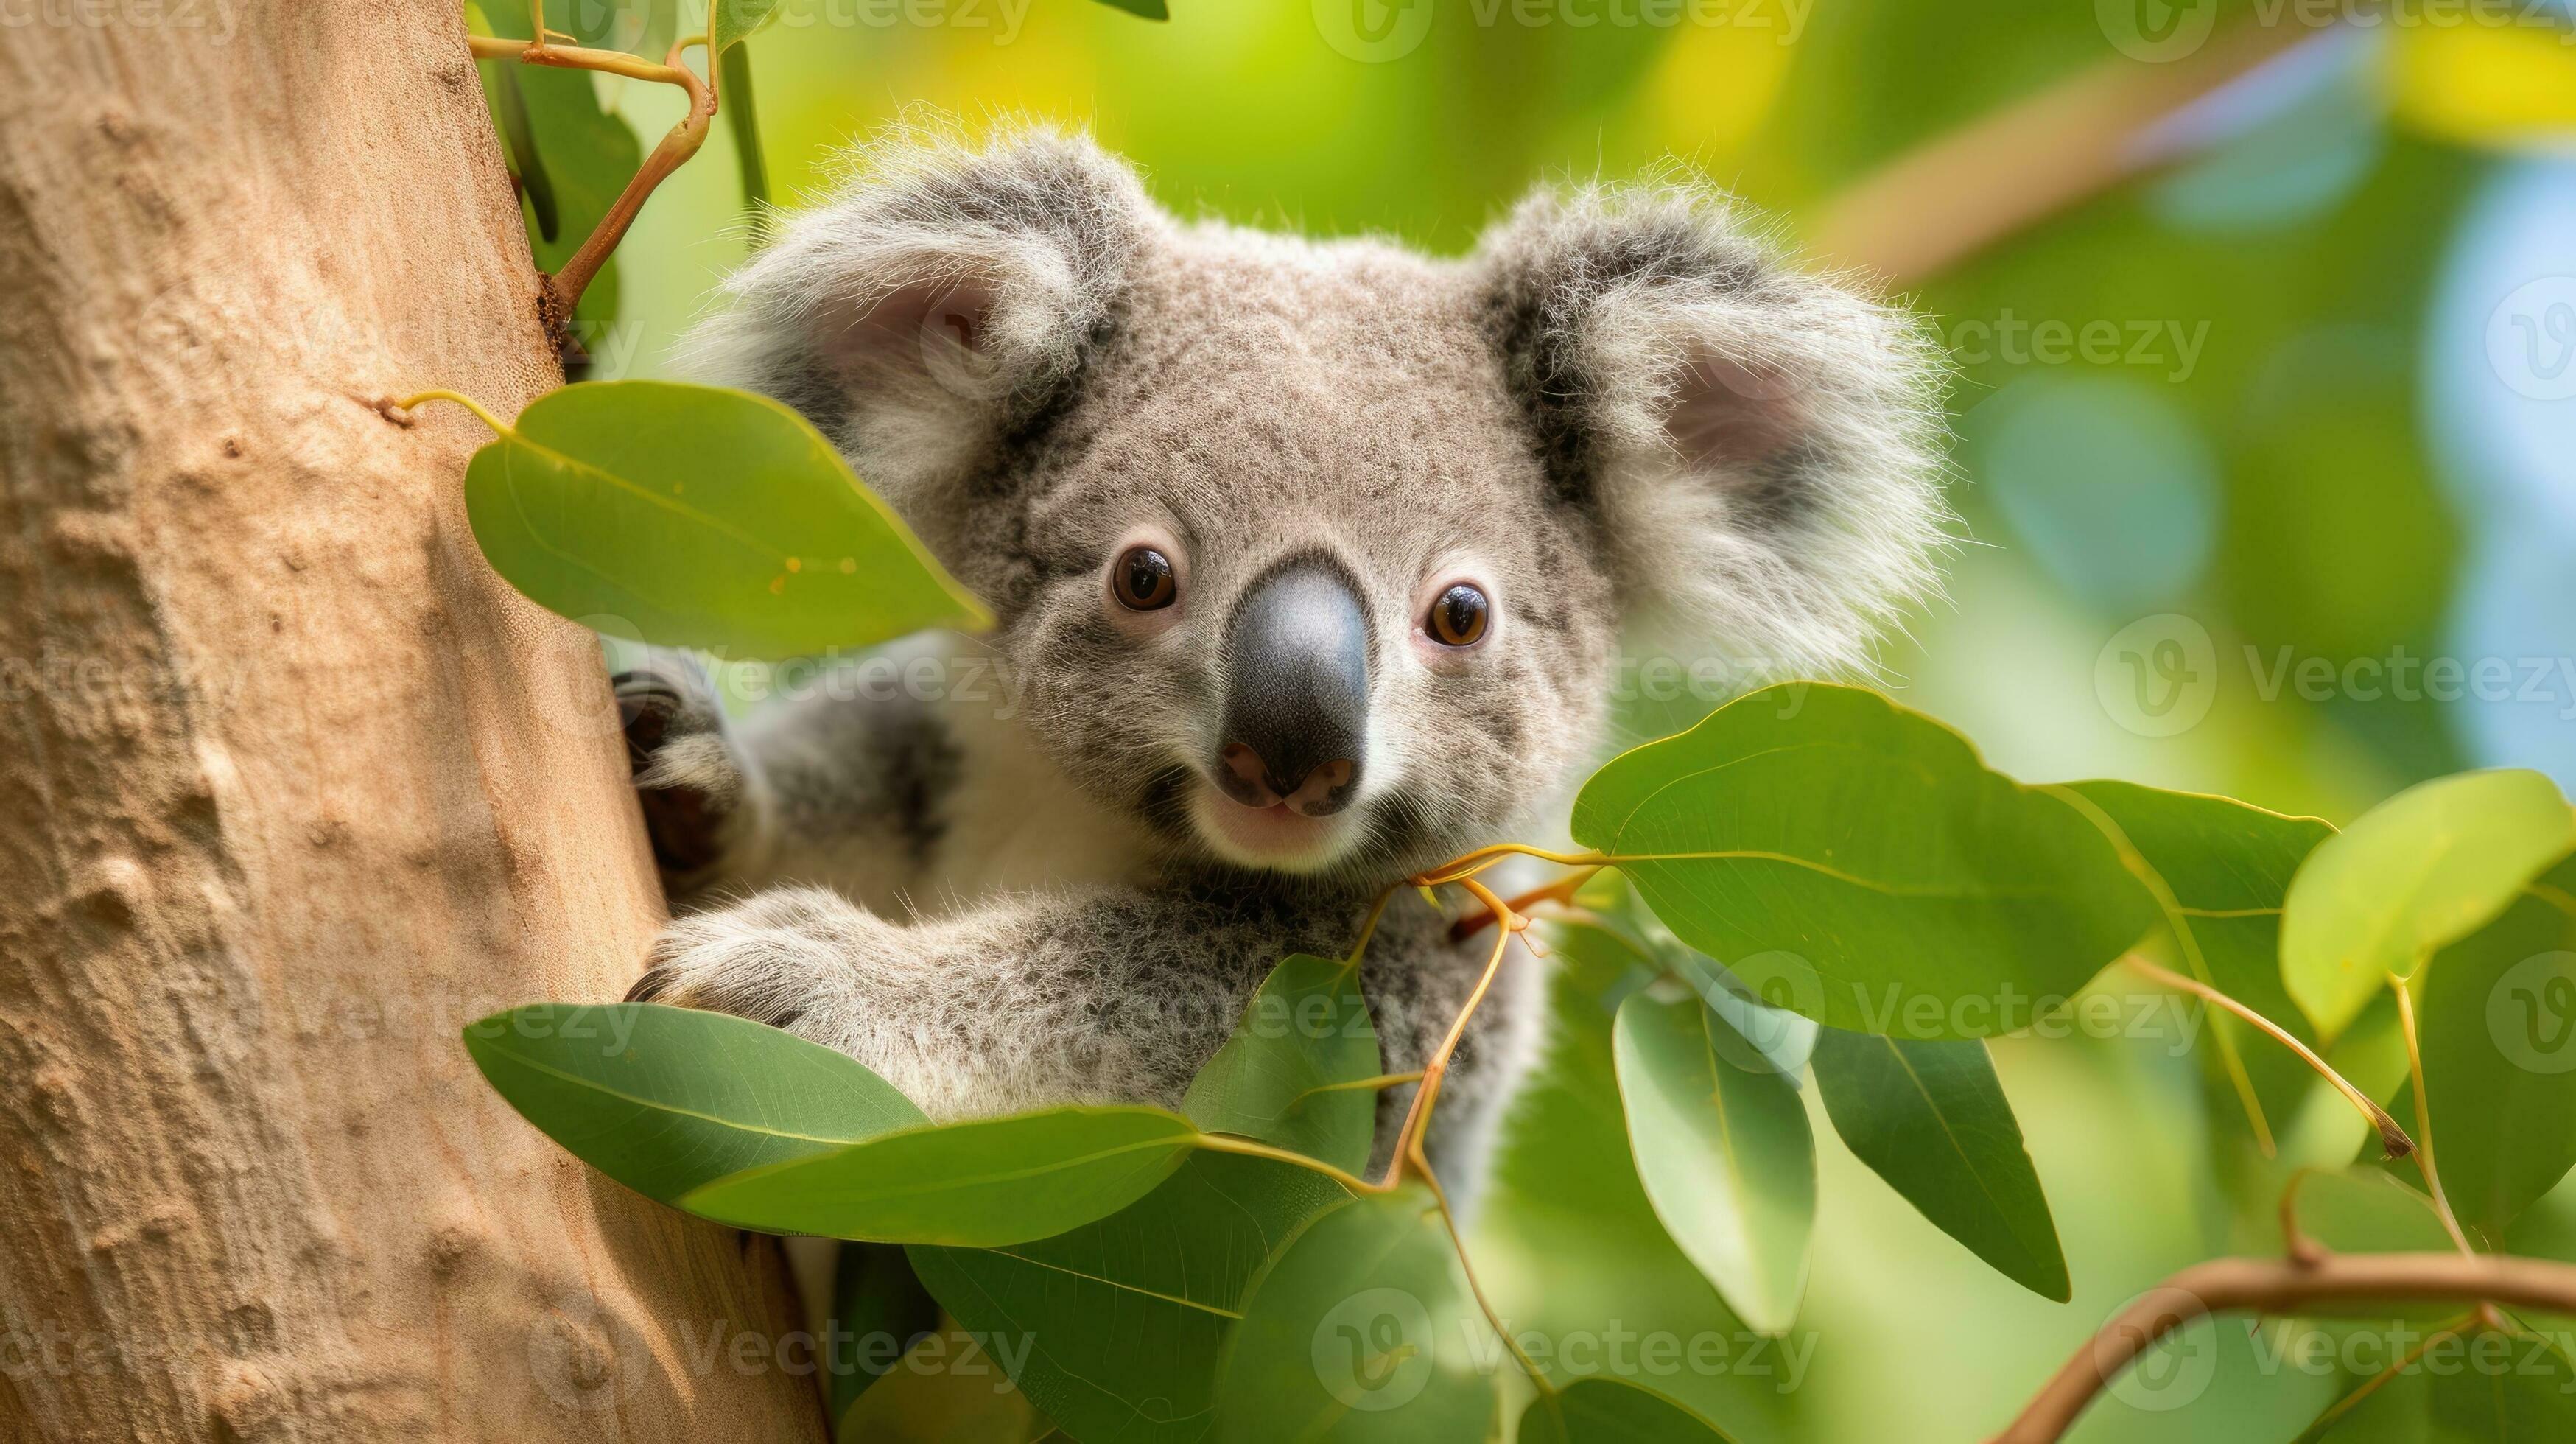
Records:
x=291, y=786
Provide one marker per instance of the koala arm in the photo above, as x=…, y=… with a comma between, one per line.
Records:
x=1086, y=995
x=830, y=786
x=1083, y=995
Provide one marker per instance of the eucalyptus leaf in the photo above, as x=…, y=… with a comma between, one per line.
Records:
x=946, y=1389
x=1149, y=9
x=2425, y=868
x=977, y=1184
x=2478, y=1388
x=2498, y=1034
x=1856, y=862
x=879, y=1308
x=695, y=516
x=1779, y=1038
x=664, y=1099
x=731, y=22
x=1126, y=1319
x=1286, y=1075
x=1930, y=1117
x=1612, y=1411
x=1361, y=1332
x=2219, y=870
x=1725, y=1153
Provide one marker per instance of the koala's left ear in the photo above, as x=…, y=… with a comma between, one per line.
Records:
x=1760, y=447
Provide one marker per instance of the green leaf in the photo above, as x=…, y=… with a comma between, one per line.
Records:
x=731, y=22
x=2219, y=870
x=1360, y=1332
x=2482, y=1388
x=1725, y=1154
x=2499, y=1044
x=664, y=1099
x=1855, y=861
x=2428, y=866
x=1126, y=1319
x=694, y=516
x=1930, y=1117
x=1781, y=1039
x=878, y=1308
x=2368, y=1209
x=1612, y=1411
x=741, y=111
x=1285, y=1075
x=1150, y=9
x=947, y=1389
x=978, y=1184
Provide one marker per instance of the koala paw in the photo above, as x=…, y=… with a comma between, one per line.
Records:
x=785, y=957
x=686, y=776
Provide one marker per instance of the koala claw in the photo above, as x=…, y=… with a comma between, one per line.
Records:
x=686, y=777
x=774, y=959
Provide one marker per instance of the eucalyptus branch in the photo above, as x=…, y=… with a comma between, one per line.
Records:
x=1417, y=1117
x=2013, y=169
x=579, y=57
x=2283, y=1286
x=560, y=292
x=2424, y=1117
x=1560, y=892
x=1254, y=1148
x=1467, y=1266
x=2391, y=1137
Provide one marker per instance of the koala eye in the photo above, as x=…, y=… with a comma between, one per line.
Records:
x=1458, y=617
x=1143, y=580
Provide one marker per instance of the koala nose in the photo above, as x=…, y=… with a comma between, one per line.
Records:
x=1296, y=699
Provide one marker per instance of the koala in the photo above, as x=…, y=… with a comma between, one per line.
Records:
x=1309, y=560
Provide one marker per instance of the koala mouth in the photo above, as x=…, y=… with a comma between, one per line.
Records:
x=1275, y=836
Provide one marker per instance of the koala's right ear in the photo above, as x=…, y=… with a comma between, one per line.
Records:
x=946, y=294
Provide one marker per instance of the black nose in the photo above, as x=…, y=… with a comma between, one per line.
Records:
x=1296, y=701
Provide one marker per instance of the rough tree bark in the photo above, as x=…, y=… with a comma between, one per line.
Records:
x=291, y=786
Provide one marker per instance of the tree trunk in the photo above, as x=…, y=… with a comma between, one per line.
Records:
x=292, y=786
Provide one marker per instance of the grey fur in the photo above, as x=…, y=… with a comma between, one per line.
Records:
x=1547, y=417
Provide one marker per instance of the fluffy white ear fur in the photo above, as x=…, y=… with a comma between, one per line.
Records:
x=1762, y=446
x=944, y=293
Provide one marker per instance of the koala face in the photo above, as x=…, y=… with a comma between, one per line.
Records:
x=1313, y=555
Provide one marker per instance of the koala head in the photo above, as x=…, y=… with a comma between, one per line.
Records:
x=1312, y=555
